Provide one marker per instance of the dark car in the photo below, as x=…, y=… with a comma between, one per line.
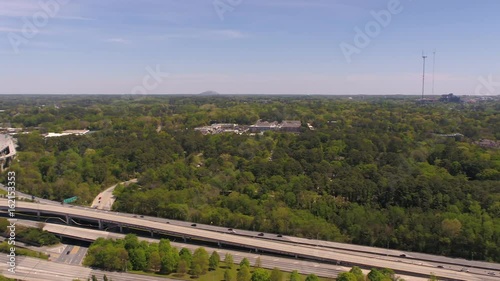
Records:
x=261, y=234
x=279, y=235
x=67, y=253
x=403, y=255
x=440, y=266
x=168, y=222
x=194, y=224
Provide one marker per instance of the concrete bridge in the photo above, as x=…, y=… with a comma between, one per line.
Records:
x=7, y=151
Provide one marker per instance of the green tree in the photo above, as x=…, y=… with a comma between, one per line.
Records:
x=170, y=261
x=186, y=255
x=358, y=273
x=312, y=277
x=433, y=277
x=377, y=275
x=260, y=275
x=244, y=274
x=199, y=264
x=346, y=276
x=228, y=275
x=182, y=267
x=154, y=262
x=214, y=260
x=295, y=276
x=276, y=275
x=196, y=269
x=138, y=259
x=244, y=262
x=228, y=260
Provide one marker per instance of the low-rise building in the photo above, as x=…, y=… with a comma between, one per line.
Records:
x=290, y=126
x=67, y=133
x=263, y=126
x=489, y=144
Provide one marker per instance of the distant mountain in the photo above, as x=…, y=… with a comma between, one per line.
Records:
x=209, y=93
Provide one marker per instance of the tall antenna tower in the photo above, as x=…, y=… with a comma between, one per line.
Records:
x=434, y=72
x=424, y=57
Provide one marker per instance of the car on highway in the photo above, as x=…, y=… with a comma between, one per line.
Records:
x=440, y=266
x=67, y=253
x=403, y=255
x=142, y=216
x=261, y=234
x=491, y=273
x=100, y=198
x=194, y=225
x=231, y=230
x=279, y=235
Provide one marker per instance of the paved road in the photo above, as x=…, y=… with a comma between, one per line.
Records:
x=363, y=251
x=35, y=269
x=105, y=199
x=72, y=254
x=25, y=196
x=285, y=264
x=252, y=242
x=327, y=245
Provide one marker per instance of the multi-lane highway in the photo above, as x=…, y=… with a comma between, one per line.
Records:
x=319, y=253
x=451, y=263
x=286, y=264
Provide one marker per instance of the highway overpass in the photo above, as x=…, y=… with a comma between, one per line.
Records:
x=252, y=243
x=436, y=260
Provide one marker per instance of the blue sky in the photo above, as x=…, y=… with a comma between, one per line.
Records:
x=255, y=47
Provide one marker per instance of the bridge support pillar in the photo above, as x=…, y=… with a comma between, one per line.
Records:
x=184, y=238
x=38, y=215
x=100, y=224
x=121, y=228
x=68, y=222
x=152, y=234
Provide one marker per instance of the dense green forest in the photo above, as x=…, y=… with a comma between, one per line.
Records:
x=373, y=171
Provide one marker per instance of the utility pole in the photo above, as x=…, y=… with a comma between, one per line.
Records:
x=423, y=76
x=434, y=72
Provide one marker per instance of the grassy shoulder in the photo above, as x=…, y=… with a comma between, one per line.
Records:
x=31, y=235
x=3, y=278
x=5, y=248
x=216, y=275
